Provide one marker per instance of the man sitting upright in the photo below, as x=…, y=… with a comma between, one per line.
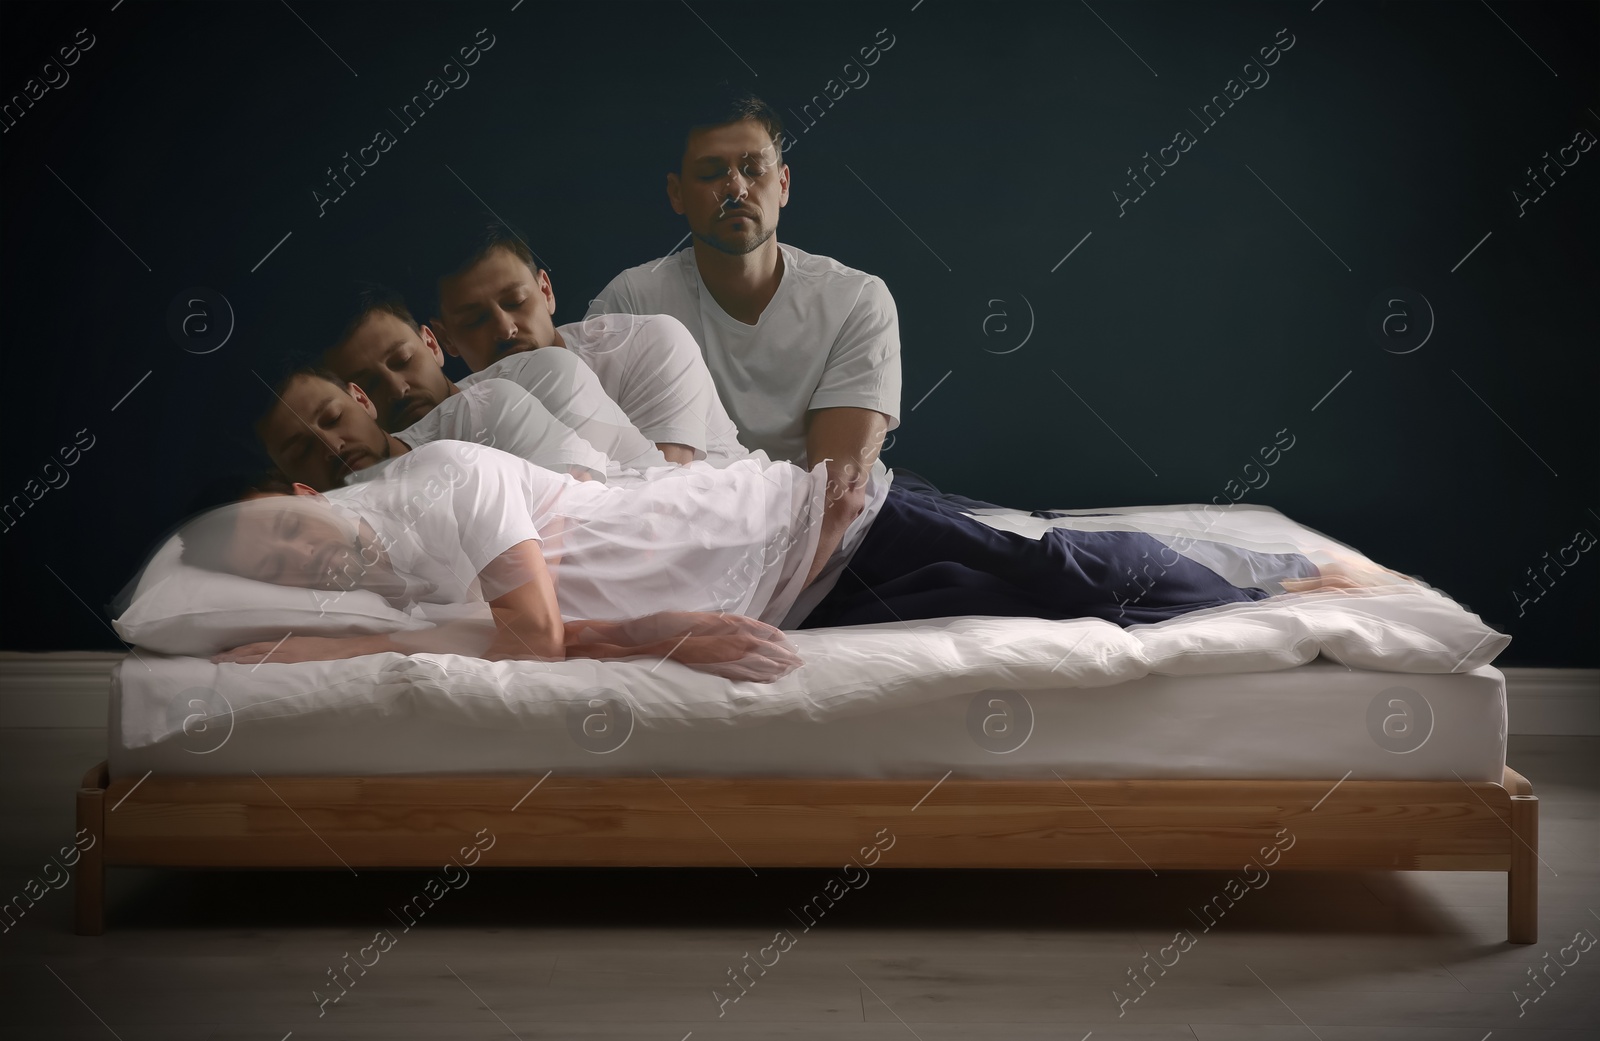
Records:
x=805, y=351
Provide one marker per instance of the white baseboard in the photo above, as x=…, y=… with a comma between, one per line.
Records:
x=56, y=689
x=1553, y=701
x=70, y=689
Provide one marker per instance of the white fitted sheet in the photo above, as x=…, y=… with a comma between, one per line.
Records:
x=1310, y=721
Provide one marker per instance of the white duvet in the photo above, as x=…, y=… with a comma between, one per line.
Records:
x=850, y=671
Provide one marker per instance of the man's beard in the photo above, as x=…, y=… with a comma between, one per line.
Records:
x=737, y=249
x=398, y=414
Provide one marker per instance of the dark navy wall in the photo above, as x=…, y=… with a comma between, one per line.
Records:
x=1357, y=252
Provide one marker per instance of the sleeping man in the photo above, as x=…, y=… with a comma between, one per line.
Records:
x=381, y=348
x=322, y=432
x=495, y=313
x=581, y=568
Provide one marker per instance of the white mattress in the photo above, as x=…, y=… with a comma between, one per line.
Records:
x=1297, y=685
x=1316, y=720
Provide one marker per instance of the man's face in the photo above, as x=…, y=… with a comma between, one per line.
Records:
x=400, y=369
x=296, y=540
x=318, y=432
x=730, y=186
x=494, y=308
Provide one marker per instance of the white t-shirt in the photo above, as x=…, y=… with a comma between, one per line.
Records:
x=651, y=366
x=830, y=337
x=573, y=394
x=443, y=515
x=738, y=539
x=500, y=414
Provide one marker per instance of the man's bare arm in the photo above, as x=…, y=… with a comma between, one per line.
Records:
x=849, y=438
x=676, y=453
x=528, y=627
x=527, y=620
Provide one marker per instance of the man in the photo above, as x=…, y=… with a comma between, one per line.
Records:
x=397, y=363
x=454, y=523
x=805, y=351
x=496, y=308
x=323, y=432
x=579, y=550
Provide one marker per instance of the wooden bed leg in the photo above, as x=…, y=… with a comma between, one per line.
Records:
x=1522, y=880
x=89, y=884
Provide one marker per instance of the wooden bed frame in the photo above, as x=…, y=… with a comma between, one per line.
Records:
x=425, y=821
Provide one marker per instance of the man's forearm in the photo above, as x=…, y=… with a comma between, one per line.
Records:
x=611, y=651
x=844, y=435
x=605, y=640
x=591, y=630
x=849, y=439
x=504, y=639
x=479, y=639
x=468, y=638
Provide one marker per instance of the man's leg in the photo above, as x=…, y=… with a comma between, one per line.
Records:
x=1122, y=577
x=935, y=591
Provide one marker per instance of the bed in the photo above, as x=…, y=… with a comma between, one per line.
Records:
x=1324, y=732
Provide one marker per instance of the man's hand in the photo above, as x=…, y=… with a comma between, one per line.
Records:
x=304, y=648
x=738, y=656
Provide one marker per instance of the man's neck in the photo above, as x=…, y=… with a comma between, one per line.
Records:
x=397, y=447
x=742, y=285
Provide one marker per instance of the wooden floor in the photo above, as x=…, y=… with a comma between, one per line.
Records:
x=929, y=955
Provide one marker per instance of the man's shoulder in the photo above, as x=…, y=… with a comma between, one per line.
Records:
x=660, y=275
x=463, y=465
x=524, y=365
x=398, y=476
x=504, y=369
x=487, y=401
x=440, y=421
x=440, y=456
x=826, y=276
x=603, y=334
x=452, y=406
x=816, y=266
x=485, y=390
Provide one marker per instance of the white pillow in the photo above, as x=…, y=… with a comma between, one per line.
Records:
x=179, y=609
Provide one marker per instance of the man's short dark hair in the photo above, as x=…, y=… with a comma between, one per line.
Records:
x=727, y=103
x=367, y=298
x=294, y=368
x=473, y=243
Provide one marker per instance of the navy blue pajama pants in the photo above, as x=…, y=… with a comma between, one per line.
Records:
x=925, y=558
